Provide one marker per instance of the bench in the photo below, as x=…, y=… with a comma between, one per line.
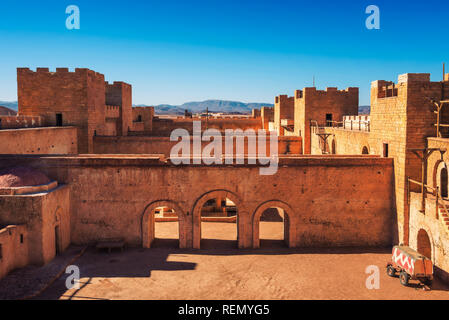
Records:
x=111, y=244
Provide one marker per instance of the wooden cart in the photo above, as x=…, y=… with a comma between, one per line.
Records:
x=410, y=265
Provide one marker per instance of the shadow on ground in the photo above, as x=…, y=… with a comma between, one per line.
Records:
x=140, y=263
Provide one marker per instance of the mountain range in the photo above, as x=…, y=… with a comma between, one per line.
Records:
x=196, y=107
x=212, y=106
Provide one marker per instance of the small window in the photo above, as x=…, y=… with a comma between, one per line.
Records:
x=386, y=151
x=0, y=124
x=329, y=120
x=21, y=238
x=59, y=119
x=1, y=252
x=139, y=118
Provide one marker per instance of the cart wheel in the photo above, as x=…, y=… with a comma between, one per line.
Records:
x=404, y=278
x=391, y=271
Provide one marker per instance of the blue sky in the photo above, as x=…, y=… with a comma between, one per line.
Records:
x=178, y=51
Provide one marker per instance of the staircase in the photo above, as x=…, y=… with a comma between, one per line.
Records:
x=443, y=213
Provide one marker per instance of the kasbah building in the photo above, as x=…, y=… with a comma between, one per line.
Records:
x=80, y=165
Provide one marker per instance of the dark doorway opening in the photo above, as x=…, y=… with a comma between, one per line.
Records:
x=57, y=243
x=444, y=183
x=386, y=151
x=59, y=119
x=329, y=120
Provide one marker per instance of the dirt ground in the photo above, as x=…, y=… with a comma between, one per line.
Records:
x=222, y=272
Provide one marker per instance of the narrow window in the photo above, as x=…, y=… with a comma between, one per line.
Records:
x=329, y=120
x=59, y=119
x=0, y=124
x=444, y=183
x=1, y=252
x=21, y=238
x=386, y=150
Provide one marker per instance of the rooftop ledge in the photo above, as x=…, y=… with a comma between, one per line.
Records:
x=37, y=128
x=161, y=160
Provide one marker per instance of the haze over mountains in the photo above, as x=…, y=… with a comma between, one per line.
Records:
x=212, y=106
x=197, y=107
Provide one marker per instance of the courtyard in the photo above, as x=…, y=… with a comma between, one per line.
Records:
x=222, y=272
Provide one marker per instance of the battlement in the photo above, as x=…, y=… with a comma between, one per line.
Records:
x=283, y=98
x=112, y=112
x=330, y=91
x=414, y=77
x=417, y=81
x=59, y=71
x=117, y=84
x=360, y=123
x=18, y=122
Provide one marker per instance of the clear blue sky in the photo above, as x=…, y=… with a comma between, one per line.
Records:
x=178, y=51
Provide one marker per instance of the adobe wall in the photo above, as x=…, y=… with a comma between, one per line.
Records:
x=54, y=140
x=39, y=212
x=16, y=122
x=436, y=230
x=267, y=115
x=342, y=142
x=403, y=118
x=164, y=127
x=312, y=104
x=327, y=206
x=79, y=96
x=163, y=145
x=120, y=94
x=284, y=108
x=14, y=251
x=146, y=114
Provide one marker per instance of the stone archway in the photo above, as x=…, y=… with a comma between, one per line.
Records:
x=290, y=232
x=424, y=244
x=215, y=194
x=147, y=227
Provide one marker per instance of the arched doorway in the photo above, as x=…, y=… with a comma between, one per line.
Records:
x=444, y=182
x=163, y=224
x=216, y=223
x=166, y=227
x=365, y=150
x=274, y=228
x=280, y=232
x=424, y=244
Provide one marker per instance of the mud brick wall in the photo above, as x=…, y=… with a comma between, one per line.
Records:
x=311, y=104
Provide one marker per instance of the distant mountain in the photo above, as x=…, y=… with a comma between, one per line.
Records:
x=8, y=104
x=195, y=107
x=211, y=105
x=4, y=111
x=364, y=110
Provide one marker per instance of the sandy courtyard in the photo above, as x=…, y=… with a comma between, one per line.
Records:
x=221, y=272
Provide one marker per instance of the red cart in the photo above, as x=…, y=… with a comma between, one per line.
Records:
x=410, y=265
